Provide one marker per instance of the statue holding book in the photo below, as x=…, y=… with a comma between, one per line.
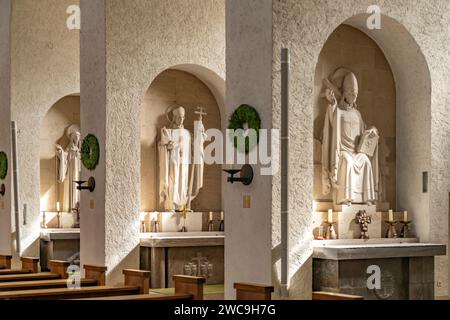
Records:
x=349, y=150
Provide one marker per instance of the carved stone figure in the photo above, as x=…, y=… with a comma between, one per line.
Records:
x=349, y=165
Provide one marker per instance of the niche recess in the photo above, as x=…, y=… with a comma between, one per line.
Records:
x=175, y=87
x=61, y=115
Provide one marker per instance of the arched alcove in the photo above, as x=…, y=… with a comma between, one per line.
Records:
x=189, y=86
x=54, y=196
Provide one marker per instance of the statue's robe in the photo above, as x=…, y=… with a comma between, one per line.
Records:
x=174, y=153
x=353, y=176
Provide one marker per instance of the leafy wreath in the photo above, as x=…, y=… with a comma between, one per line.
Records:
x=244, y=114
x=3, y=165
x=90, y=152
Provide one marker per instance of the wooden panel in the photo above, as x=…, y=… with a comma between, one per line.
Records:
x=320, y=295
x=96, y=273
x=30, y=264
x=12, y=272
x=189, y=285
x=5, y=262
x=249, y=291
x=42, y=284
x=138, y=278
x=30, y=277
x=57, y=294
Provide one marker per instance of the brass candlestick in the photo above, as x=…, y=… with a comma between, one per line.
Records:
x=391, y=231
x=331, y=233
x=405, y=229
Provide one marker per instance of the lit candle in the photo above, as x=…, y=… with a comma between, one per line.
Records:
x=221, y=216
x=391, y=216
x=58, y=208
x=330, y=216
x=210, y=216
x=405, y=216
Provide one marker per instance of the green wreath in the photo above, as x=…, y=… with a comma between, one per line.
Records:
x=90, y=152
x=3, y=165
x=244, y=114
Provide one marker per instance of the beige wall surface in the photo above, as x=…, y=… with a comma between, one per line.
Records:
x=141, y=39
x=350, y=48
x=173, y=87
x=62, y=114
x=414, y=39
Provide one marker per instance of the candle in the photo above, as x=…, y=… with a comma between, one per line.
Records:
x=391, y=216
x=405, y=216
x=210, y=216
x=221, y=216
x=330, y=216
x=58, y=208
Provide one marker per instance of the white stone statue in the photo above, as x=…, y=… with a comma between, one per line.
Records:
x=174, y=151
x=351, y=175
x=69, y=164
x=179, y=186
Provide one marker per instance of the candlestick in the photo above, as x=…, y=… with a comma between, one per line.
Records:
x=391, y=216
x=330, y=216
x=405, y=216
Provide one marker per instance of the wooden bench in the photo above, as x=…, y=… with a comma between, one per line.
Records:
x=321, y=295
x=5, y=262
x=186, y=288
x=136, y=283
x=58, y=270
x=250, y=291
x=95, y=276
x=29, y=265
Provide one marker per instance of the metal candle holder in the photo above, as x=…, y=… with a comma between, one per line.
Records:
x=405, y=229
x=391, y=231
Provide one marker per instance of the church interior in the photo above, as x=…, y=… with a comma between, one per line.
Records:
x=224, y=150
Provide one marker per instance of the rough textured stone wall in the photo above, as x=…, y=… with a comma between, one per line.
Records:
x=5, y=118
x=304, y=26
x=45, y=68
x=143, y=38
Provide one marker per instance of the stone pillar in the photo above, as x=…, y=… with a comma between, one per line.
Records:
x=109, y=215
x=248, y=250
x=5, y=119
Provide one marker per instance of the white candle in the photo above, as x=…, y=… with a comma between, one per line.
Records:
x=405, y=216
x=58, y=206
x=221, y=216
x=210, y=216
x=330, y=216
x=391, y=216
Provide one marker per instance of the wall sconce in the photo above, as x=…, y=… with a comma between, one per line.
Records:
x=246, y=175
x=90, y=186
x=2, y=190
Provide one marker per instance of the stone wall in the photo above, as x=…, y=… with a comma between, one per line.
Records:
x=414, y=39
x=45, y=68
x=141, y=39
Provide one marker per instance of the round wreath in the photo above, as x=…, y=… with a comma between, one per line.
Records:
x=3, y=165
x=245, y=114
x=90, y=152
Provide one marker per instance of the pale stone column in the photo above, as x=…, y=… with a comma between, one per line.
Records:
x=5, y=119
x=109, y=216
x=248, y=250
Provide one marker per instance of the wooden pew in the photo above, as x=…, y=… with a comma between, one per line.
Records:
x=186, y=288
x=136, y=283
x=95, y=276
x=249, y=291
x=5, y=262
x=321, y=295
x=29, y=265
x=58, y=270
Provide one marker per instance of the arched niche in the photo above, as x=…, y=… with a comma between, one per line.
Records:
x=412, y=111
x=53, y=130
x=189, y=86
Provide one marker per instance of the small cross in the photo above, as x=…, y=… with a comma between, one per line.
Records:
x=200, y=112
